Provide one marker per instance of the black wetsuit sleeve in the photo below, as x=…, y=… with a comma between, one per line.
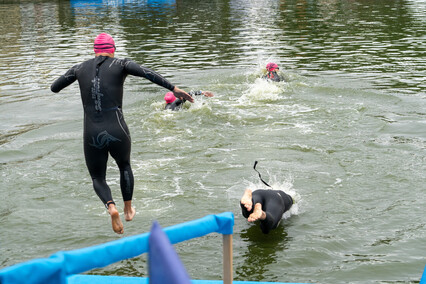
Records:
x=135, y=69
x=64, y=81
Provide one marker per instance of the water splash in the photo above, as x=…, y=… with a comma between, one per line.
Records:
x=263, y=91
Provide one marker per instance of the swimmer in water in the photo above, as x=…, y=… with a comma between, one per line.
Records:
x=101, y=81
x=174, y=103
x=272, y=74
x=266, y=206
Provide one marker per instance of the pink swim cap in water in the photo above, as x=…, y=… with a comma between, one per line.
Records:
x=271, y=66
x=169, y=97
x=104, y=43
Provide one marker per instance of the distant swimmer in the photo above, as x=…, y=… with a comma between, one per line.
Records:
x=272, y=74
x=101, y=81
x=265, y=205
x=174, y=103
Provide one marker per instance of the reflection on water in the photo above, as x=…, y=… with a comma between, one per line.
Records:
x=262, y=250
x=369, y=39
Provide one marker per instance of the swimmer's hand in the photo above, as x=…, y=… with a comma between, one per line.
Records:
x=208, y=94
x=181, y=94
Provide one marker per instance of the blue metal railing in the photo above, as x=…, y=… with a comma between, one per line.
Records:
x=56, y=268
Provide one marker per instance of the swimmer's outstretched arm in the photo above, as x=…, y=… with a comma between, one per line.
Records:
x=207, y=93
x=65, y=80
x=199, y=93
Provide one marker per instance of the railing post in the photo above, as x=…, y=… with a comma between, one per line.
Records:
x=227, y=259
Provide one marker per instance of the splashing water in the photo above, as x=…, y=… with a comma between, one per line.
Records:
x=263, y=91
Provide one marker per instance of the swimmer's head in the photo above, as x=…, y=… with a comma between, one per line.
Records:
x=104, y=43
x=272, y=66
x=169, y=97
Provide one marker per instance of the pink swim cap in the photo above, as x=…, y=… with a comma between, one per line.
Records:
x=169, y=97
x=271, y=66
x=104, y=43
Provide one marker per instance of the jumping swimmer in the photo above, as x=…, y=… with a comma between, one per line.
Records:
x=272, y=73
x=101, y=81
x=265, y=205
x=175, y=104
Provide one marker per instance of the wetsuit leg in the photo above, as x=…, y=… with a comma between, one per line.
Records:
x=106, y=133
x=121, y=154
x=273, y=205
x=96, y=161
x=245, y=212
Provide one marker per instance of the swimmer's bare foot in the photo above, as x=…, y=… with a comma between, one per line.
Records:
x=117, y=225
x=246, y=200
x=257, y=214
x=129, y=211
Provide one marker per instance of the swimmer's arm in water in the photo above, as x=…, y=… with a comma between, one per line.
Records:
x=207, y=94
x=199, y=93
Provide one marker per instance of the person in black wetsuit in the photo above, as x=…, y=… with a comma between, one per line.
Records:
x=265, y=205
x=176, y=104
x=272, y=74
x=101, y=81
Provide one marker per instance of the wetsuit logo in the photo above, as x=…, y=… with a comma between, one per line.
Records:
x=103, y=139
x=96, y=93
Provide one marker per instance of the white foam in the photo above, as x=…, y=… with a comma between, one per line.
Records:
x=262, y=90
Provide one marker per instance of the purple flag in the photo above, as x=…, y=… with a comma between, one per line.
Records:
x=164, y=264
